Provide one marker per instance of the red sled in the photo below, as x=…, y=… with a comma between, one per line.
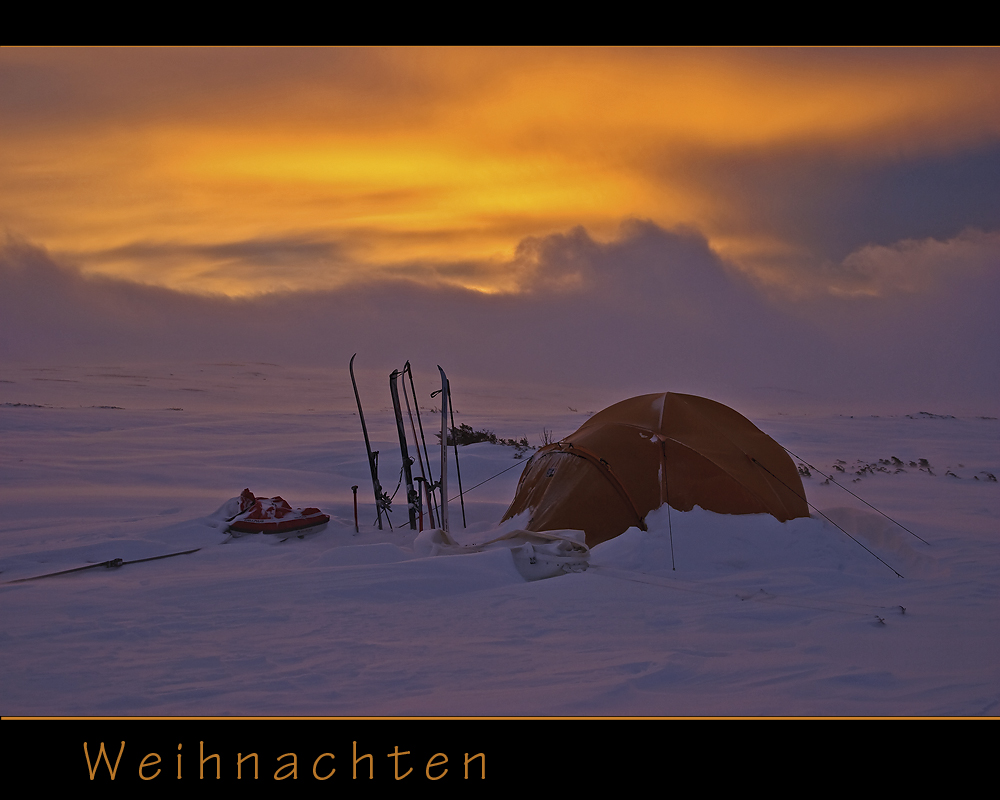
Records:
x=273, y=515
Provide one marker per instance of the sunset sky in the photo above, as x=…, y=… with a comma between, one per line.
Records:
x=806, y=177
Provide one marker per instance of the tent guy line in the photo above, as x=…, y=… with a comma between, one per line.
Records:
x=824, y=516
x=830, y=478
x=501, y=472
x=757, y=463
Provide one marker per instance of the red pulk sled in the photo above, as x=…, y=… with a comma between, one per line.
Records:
x=273, y=515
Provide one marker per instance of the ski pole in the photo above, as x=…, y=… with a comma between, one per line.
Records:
x=355, y=490
x=431, y=507
x=372, y=456
x=454, y=440
x=444, y=450
x=407, y=472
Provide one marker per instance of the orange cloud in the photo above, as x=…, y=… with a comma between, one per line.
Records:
x=146, y=164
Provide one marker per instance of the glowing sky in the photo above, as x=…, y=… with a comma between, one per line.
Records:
x=245, y=171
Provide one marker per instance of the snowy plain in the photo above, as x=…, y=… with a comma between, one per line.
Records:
x=757, y=618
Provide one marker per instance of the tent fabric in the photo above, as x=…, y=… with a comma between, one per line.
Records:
x=641, y=453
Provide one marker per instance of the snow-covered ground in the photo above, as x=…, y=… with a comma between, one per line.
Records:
x=758, y=618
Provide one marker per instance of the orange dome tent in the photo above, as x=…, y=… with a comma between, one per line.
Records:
x=636, y=455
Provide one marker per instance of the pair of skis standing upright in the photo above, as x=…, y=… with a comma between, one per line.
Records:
x=428, y=487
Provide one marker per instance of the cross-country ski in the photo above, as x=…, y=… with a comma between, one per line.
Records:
x=381, y=504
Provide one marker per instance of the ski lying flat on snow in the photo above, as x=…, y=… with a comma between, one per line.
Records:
x=112, y=564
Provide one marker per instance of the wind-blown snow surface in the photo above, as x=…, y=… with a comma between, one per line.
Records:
x=758, y=618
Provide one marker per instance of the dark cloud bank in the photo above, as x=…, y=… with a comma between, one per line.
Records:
x=653, y=310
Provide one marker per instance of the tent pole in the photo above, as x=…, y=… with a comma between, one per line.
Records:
x=666, y=501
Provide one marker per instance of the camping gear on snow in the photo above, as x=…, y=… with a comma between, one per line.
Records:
x=536, y=554
x=656, y=449
x=273, y=515
x=383, y=501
